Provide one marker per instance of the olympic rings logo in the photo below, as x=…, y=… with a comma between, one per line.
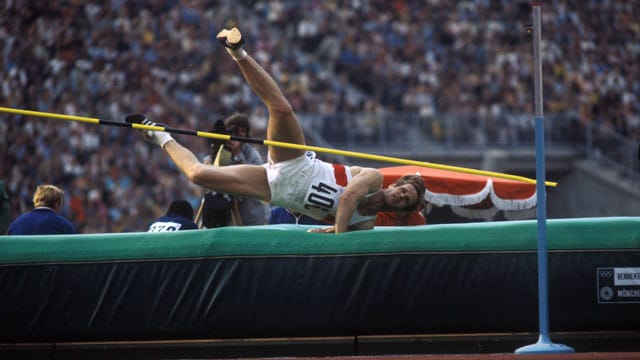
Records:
x=605, y=273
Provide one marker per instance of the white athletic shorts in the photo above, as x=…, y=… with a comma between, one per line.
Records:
x=290, y=182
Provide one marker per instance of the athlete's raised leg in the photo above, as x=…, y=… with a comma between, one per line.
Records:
x=283, y=124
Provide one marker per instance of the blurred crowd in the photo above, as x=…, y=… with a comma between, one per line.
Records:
x=378, y=58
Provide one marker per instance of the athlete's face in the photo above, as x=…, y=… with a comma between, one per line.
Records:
x=401, y=197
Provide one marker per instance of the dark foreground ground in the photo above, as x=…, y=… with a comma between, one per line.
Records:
x=591, y=346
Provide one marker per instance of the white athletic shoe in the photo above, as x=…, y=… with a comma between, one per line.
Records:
x=231, y=38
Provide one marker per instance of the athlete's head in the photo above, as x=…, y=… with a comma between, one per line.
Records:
x=406, y=194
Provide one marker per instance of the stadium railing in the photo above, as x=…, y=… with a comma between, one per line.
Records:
x=411, y=134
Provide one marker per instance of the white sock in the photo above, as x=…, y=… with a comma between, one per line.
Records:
x=237, y=54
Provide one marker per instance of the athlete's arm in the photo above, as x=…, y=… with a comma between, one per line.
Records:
x=364, y=181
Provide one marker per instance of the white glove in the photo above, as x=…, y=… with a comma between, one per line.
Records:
x=159, y=137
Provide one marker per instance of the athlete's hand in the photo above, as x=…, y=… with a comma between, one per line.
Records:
x=325, y=230
x=155, y=136
x=159, y=137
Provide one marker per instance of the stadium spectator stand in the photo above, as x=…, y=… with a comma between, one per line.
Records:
x=373, y=58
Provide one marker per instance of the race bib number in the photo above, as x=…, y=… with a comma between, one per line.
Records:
x=165, y=226
x=321, y=198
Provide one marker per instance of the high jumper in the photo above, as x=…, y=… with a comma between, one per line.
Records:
x=348, y=197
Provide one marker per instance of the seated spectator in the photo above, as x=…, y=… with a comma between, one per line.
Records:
x=44, y=219
x=281, y=215
x=178, y=217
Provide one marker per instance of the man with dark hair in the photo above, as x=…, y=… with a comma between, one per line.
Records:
x=178, y=217
x=348, y=197
x=217, y=209
x=44, y=219
x=252, y=211
x=409, y=217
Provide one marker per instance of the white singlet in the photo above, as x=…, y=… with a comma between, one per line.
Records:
x=310, y=186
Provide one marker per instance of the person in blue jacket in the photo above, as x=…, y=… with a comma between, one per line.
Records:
x=44, y=219
x=178, y=217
